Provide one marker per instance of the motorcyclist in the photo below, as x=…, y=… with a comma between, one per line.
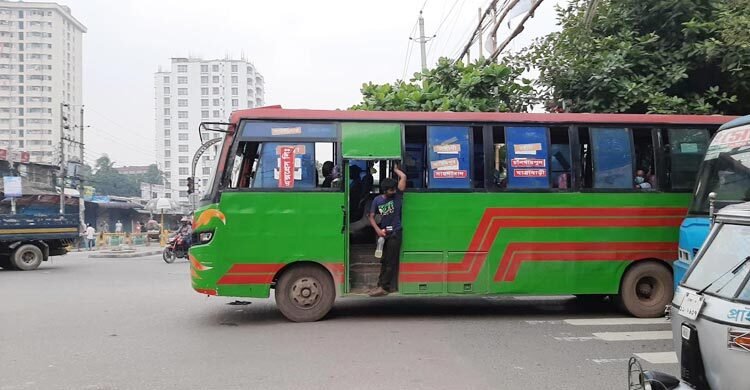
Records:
x=185, y=232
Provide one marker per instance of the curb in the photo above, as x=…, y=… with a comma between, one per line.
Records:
x=124, y=255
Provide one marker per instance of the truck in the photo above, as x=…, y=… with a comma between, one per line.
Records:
x=28, y=240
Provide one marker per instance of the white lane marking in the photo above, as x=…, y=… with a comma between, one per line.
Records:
x=659, y=357
x=627, y=336
x=575, y=338
x=543, y=322
x=605, y=361
x=616, y=321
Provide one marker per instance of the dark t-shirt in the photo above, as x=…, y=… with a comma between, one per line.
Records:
x=389, y=209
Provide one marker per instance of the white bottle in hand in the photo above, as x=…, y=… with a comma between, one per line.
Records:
x=379, y=249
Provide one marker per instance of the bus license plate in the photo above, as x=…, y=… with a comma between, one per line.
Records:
x=691, y=306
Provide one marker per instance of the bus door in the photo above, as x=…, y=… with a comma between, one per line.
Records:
x=369, y=151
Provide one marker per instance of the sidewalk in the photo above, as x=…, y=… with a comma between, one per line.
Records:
x=125, y=252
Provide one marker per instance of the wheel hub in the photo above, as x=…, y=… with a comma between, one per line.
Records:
x=646, y=288
x=28, y=257
x=305, y=292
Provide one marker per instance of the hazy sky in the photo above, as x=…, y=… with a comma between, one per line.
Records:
x=313, y=54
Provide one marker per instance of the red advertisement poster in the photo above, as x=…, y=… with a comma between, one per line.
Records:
x=24, y=157
x=454, y=174
x=286, y=168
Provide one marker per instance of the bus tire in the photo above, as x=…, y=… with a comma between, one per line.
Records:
x=646, y=289
x=305, y=293
x=27, y=257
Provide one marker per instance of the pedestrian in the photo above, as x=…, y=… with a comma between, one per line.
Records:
x=105, y=227
x=388, y=206
x=137, y=227
x=90, y=236
x=118, y=227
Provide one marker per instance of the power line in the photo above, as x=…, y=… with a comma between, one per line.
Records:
x=440, y=25
x=477, y=30
x=457, y=16
x=407, y=57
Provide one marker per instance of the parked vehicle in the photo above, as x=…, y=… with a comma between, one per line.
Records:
x=26, y=241
x=711, y=313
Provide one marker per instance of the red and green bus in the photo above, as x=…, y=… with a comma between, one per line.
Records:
x=496, y=203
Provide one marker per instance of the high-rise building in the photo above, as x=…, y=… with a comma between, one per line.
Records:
x=40, y=69
x=194, y=91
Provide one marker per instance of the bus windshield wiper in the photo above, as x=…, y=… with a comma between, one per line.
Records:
x=733, y=270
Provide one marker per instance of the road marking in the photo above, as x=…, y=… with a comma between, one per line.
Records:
x=542, y=322
x=615, y=321
x=627, y=336
x=659, y=357
x=575, y=338
x=605, y=361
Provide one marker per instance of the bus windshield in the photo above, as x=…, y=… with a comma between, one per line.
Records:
x=725, y=170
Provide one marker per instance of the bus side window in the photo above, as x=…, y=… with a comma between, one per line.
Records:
x=245, y=162
x=529, y=154
x=587, y=166
x=612, y=157
x=643, y=143
x=499, y=161
x=414, y=157
x=686, y=150
x=559, y=156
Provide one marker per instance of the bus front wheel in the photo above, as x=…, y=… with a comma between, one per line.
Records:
x=305, y=293
x=646, y=290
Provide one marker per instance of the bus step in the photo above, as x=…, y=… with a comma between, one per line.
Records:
x=364, y=275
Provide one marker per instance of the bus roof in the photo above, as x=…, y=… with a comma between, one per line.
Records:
x=278, y=113
x=743, y=120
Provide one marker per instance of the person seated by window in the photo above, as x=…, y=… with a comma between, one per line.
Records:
x=640, y=180
x=327, y=171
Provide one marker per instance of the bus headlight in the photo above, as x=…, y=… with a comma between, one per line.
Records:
x=205, y=237
x=683, y=255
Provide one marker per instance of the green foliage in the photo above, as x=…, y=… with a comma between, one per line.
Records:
x=480, y=86
x=656, y=56
x=108, y=181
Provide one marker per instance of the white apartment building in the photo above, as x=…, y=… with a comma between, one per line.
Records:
x=40, y=68
x=194, y=91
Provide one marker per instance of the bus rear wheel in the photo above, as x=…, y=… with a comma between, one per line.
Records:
x=305, y=293
x=27, y=257
x=646, y=290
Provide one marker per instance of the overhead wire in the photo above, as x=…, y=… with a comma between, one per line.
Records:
x=440, y=25
x=454, y=23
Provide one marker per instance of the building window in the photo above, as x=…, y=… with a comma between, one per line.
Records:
x=204, y=102
x=182, y=80
x=204, y=114
x=182, y=68
x=204, y=68
x=206, y=170
x=167, y=153
x=182, y=103
x=166, y=90
x=215, y=68
x=235, y=103
x=182, y=91
x=215, y=90
x=182, y=137
x=166, y=121
x=166, y=133
x=204, y=91
x=182, y=182
x=167, y=164
x=217, y=102
x=182, y=126
x=166, y=101
x=204, y=79
x=215, y=79
x=182, y=159
x=183, y=194
x=235, y=80
x=167, y=143
x=217, y=114
x=166, y=111
x=183, y=171
x=182, y=114
x=235, y=91
x=234, y=68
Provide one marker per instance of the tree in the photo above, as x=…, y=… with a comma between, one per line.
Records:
x=108, y=181
x=656, y=56
x=453, y=86
x=152, y=176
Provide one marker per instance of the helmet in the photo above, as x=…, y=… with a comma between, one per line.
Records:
x=185, y=220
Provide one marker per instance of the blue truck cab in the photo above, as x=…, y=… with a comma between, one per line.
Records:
x=725, y=170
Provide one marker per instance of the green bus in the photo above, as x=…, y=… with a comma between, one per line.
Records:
x=496, y=203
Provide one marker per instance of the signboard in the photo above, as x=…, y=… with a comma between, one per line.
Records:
x=3, y=154
x=100, y=199
x=727, y=140
x=88, y=193
x=286, y=167
x=15, y=155
x=449, y=157
x=13, y=187
x=528, y=154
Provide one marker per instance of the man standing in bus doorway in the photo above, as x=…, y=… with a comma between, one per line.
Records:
x=388, y=206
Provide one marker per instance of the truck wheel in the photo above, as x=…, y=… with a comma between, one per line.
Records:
x=646, y=290
x=27, y=257
x=305, y=293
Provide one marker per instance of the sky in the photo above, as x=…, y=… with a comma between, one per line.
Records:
x=312, y=54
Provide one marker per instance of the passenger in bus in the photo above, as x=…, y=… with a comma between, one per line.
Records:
x=356, y=189
x=388, y=206
x=368, y=180
x=640, y=180
x=327, y=171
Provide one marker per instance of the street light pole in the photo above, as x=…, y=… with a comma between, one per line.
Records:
x=63, y=120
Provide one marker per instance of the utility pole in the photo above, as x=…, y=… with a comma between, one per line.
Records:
x=81, y=202
x=481, y=50
x=422, y=40
x=63, y=121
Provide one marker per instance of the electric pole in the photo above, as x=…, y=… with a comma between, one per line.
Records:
x=481, y=18
x=81, y=202
x=422, y=40
x=63, y=126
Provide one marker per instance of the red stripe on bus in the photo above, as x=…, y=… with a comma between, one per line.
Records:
x=245, y=279
x=254, y=268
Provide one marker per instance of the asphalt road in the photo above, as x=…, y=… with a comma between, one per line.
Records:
x=81, y=323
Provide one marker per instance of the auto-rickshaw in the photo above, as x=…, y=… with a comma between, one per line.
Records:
x=710, y=313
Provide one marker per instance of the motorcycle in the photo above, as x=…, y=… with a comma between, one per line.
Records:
x=177, y=248
x=710, y=313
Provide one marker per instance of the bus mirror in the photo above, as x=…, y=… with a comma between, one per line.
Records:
x=711, y=206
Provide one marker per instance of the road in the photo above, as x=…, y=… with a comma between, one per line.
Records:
x=81, y=323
